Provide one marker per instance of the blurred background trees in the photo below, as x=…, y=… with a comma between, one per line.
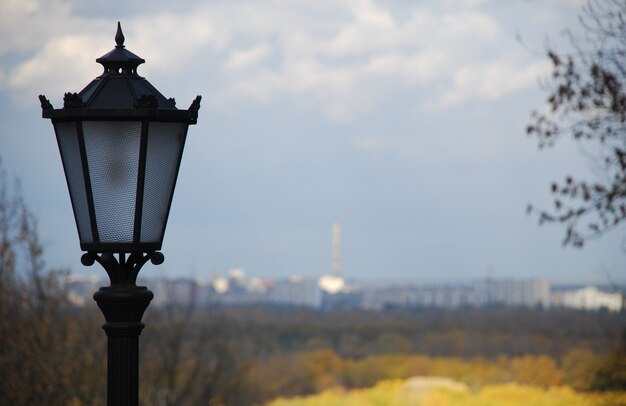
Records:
x=587, y=101
x=185, y=360
x=45, y=344
x=53, y=352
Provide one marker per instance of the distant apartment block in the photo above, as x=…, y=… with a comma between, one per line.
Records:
x=588, y=298
x=379, y=298
x=510, y=292
x=297, y=291
x=481, y=293
x=80, y=288
x=178, y=291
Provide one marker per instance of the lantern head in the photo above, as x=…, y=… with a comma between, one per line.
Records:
x=121, y=143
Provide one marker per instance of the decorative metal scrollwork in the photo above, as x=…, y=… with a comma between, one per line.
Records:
x=72, y=101
x=45, y=103
x=122, y=271
x=195, y=105
x=193, y=110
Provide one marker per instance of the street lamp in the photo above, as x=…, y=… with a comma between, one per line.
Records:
x=121, y=143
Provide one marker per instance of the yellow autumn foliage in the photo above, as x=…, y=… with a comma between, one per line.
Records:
x=434, y=391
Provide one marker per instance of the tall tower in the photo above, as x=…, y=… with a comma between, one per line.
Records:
x=336, y=249
x=333, y=284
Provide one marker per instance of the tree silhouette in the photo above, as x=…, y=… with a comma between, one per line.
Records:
x=48, y=352
x=587, y=101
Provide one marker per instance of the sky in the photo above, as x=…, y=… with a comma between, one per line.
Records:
x=403, y=120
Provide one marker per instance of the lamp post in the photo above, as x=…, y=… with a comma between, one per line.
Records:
x=121, y=143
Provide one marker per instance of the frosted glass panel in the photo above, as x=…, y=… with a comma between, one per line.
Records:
x=70, y=154
x=113, y=156
x=165, y=143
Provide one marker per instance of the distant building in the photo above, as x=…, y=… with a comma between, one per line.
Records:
x=220, y=285
x=80, y=288
x=588, y=298
x=181, y=291
x=237, y=290
x=331, y=284
x=379, y=298
x=296, y=291
x=486, y=292
x=510, y=292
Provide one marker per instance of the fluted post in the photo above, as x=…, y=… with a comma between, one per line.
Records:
x=123, y=307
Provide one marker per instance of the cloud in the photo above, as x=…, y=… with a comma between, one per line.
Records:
x=340, y=58
x=25, y=24
x=172, y=42
x=58, y=67
x=360, y=59
x=246, y=58
x=491, y=81
x=465, y=3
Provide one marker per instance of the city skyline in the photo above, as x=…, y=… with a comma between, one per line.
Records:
x=235, y=289
x=404, y=122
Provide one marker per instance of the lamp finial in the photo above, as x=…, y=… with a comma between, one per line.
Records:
x=119, y=36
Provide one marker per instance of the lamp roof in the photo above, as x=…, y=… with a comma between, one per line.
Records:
x=120, y=92
x=120, y=86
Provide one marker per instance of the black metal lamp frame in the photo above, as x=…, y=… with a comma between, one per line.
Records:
x=119, y=94
x=123, y=305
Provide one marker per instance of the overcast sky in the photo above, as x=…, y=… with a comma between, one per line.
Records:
x=404, y=120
